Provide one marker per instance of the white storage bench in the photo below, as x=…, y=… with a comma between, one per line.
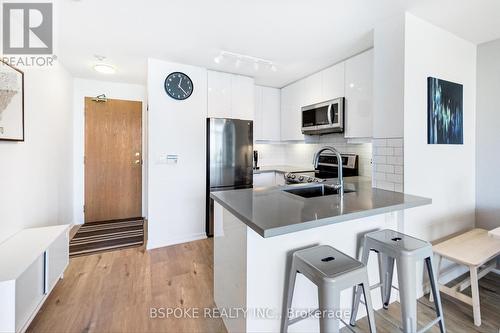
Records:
x=31, y=263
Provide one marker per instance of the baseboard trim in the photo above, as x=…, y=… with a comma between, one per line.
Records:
x=190, y=238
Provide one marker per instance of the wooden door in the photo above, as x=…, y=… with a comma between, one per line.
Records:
x=113, y=160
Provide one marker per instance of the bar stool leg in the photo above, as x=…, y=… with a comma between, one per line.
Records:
x=438, y=269
x=435, y=292
x=357, y=290
x=368, y=304
x=407, y=293
x=329, y=306
x=386, y=269
x=289, y=296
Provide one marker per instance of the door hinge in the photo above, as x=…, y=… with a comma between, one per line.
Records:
x=84, y=208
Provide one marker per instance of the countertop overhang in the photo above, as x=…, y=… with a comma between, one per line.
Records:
x=272, y=211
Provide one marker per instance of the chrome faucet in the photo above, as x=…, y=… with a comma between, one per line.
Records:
x=340, y=185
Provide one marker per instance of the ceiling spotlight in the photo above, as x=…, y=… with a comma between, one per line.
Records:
x=256, y=66
x=273, y=68
x=218, y=59
x=104, y=69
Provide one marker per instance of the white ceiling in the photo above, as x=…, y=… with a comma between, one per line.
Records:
x=300, y=37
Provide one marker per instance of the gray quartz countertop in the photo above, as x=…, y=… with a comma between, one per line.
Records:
x=283, y=169
x=273, y=212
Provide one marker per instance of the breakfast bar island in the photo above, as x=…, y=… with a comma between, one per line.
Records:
x=257, y=230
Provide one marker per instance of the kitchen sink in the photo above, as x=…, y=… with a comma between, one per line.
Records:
x=315, y=191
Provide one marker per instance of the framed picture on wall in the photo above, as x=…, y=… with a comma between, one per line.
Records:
x=444, y=112
x=11, y=103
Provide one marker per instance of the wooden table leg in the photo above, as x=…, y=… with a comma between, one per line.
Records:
x=475, y=295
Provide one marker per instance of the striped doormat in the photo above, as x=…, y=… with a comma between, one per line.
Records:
x=106, y=236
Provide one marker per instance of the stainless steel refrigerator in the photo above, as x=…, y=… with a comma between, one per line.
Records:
x=229, y=159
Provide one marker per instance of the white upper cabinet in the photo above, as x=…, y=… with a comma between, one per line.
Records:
x=312, y=89
x=242, y=97
x=230, y=96
x=259, y=117
x=358, y=95
x=333, y=82
x=271, y=101
x=267, y=114
x=291, y=117
x=219, y=94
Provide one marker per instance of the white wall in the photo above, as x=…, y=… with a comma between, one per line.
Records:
x=91, y=88
x=488, y=136
x=176, y=193
x=36, y=175
x=444, y=173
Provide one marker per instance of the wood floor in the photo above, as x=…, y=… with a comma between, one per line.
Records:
x=114, y=292
x=457, y=315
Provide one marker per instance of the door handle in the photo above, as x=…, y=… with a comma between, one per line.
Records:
x=137, y=162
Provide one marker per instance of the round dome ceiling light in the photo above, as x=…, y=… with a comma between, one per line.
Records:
x=104, y=69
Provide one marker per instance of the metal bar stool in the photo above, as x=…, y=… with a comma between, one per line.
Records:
x=332, y=271
x=406, y=251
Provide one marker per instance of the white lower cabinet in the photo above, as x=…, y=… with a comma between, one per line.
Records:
x=268, y=179
x=279, y=179
x=29, y=291
x=31, y=262
x=264, y=179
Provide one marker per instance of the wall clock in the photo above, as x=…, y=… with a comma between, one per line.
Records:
x=178, y=86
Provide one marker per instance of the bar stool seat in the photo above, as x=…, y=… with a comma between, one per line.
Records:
x=406, y=251
x=332, y=271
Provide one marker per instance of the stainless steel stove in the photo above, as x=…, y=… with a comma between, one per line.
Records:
x=327, y=169
x=296, y=178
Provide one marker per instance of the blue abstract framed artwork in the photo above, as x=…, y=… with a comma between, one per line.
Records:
x=444, y=112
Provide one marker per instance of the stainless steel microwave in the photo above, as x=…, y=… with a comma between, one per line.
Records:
x=325, y=117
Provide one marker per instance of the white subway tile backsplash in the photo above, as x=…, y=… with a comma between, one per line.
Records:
x=395, y=160
x=384, y=168
x=384, y=151
x=398, y=151
x=379, y=142
x=391, y=177
x=388, y=164
x=377, y=159
x=301, y=154
x=397, y=143
x=385, y=185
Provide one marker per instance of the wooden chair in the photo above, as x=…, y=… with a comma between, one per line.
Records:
x=476, y=250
